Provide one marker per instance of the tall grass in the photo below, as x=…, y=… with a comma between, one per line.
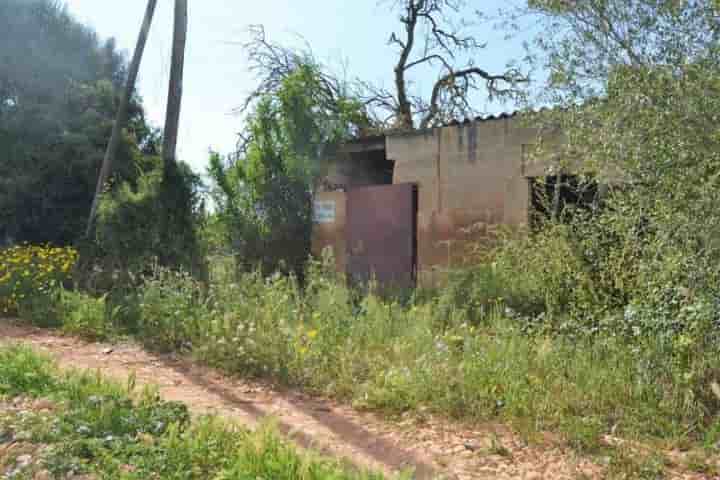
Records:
x=470, y=357
x=476, y=351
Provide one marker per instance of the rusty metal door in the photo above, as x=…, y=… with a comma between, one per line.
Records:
x=382, y=235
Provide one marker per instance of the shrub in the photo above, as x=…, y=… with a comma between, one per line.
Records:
x=463, y=353
x=24, y=372
x=172, y=305
x=395, y=356
x=29, y=277
x=264, y=195
x=252, y=325
x=153, y=220
x=473, y=293
x=86, y=316
x=543, y=273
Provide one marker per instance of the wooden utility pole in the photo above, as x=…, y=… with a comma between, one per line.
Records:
x=172, y=118
x=122, y=113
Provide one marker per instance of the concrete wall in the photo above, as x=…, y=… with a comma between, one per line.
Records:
x=472, y=178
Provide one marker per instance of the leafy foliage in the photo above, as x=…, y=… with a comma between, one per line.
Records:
x=59, y=88
x=87, y=317
x=583, y=42
x=23, y=372
x=171, y=307
x=154, y=220
x=265, y=195
x=463, y=353
x=638, y=108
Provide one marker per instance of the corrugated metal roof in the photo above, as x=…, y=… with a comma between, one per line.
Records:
x=453, y=123
x=495, y=116
x=484, y=118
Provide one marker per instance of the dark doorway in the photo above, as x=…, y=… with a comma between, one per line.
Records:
x=551, y=196
x=382, y=235
x=371, y=168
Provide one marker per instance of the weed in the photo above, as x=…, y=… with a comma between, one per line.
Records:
x=24, y=372
x=627, y=465
x=697, y=462
x=487, y=362
x=87, y=317
x=497, y=448
x=27, y=272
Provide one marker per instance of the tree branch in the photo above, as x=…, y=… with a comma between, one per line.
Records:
x=433, y=33
x=405, y=116
x=450, y=81
x=428, y=58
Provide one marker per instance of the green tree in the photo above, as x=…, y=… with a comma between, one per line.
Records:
x=264, y=195
x=139, y=224
x=122, y=113
x=59, y=91
x=637, y=83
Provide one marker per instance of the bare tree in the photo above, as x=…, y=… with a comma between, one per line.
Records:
x=272, y=63
x=122, y=113
x=433, y=35
x=172, y=118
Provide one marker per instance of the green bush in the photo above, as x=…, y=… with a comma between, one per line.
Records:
x=473, y=293
x=29, y=278
x=172, y=307
x=42, y=308
x=465, y=352
x=86, y=316
x=24, y=372
x=264, y=194
x=154, y=220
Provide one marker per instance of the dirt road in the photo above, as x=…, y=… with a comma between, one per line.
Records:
x=433, y=448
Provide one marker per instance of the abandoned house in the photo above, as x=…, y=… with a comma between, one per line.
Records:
x=405, y=208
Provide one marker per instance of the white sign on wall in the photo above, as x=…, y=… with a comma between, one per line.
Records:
x=324, y=211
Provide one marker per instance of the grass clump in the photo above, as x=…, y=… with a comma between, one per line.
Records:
x=87, y=316
x=23, y=372
x=93, y=426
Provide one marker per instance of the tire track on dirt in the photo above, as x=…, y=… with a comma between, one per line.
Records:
x=433, y=448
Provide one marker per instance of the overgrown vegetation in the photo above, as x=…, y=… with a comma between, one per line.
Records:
x=156, y=220
x=264, y=195
x=30, y=273
x=637, y=107
x=59, y=87
x=600, y=321
x=59, y=93
x=71, y=424
x=478, y=360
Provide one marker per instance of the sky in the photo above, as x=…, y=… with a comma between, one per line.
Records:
x=217, y=79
